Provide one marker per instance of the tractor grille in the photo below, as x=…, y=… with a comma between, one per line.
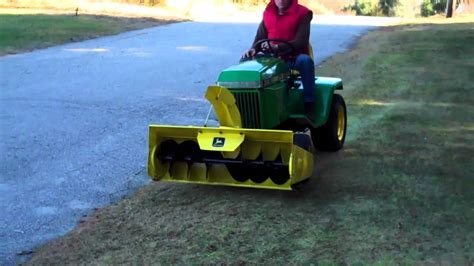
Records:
x=249, y=107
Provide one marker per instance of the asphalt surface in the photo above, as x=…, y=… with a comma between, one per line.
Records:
x=74, y=118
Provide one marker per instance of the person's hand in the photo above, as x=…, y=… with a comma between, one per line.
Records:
x=267, y=46
x=249, y=53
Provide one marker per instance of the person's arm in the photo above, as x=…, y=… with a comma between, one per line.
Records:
x=260, y=35
x=301, y=39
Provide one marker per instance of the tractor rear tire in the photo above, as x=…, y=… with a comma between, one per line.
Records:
x=331, y=136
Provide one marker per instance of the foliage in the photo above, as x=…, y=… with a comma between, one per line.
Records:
x=373, y=7
x=387, y=7
x=163, y=2
x=362, y=8
x=431, y=7
x=427, y=8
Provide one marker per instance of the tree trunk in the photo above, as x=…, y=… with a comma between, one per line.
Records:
x=449, y=8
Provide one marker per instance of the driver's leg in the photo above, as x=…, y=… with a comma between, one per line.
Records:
x=305, y=65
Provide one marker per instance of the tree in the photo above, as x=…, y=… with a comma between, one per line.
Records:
x=449, y=8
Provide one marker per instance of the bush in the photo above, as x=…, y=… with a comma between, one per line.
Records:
x=387, y=7
x=432, y=7
x=427, y=8
x=363, y=8
x=373, y=7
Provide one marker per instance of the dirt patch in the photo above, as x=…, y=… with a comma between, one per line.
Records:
x=400, y=192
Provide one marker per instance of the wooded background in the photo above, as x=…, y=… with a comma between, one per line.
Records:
x=403, y=8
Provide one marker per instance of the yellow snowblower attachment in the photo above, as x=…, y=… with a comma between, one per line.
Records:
x=229, y=155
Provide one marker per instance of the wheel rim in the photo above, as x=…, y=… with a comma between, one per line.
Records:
x=341, y=123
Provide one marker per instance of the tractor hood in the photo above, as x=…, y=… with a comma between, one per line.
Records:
x=258, y=73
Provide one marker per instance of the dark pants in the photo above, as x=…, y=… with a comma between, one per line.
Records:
x=305, y=65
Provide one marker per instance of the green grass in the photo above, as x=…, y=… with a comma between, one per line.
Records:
x=399, y=193
x=21, y=33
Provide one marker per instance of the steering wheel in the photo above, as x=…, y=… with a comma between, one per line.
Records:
x=270, y=51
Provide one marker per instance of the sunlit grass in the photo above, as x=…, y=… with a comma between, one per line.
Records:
x=27, y=32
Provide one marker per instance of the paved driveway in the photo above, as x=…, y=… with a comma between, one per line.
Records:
x=74, y=118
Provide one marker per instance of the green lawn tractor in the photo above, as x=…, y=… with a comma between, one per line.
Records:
x=264, y=139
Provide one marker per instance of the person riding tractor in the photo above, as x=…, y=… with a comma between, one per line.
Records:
x=289, y=21
x=272, y=113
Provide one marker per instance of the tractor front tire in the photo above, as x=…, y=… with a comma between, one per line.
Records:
x=331, y=136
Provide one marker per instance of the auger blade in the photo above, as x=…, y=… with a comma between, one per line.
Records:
x=255, y=158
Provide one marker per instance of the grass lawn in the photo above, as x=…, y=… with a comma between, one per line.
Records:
x=400, y=192
x=25, y=32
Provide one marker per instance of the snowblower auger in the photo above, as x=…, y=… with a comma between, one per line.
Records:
x=260, y=144
x=229, y=155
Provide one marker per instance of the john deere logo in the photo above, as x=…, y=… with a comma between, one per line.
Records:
x=218, y=142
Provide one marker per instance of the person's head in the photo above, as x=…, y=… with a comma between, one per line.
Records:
x=283, y=4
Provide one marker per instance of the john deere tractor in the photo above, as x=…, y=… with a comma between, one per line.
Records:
x=264, y=140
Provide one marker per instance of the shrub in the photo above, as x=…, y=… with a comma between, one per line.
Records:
x=387, y=7
x=431, y=7
x=373, y=7
x=363, y=8
x=427, y=8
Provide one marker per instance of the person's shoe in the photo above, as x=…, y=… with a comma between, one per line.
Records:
x=309, y=110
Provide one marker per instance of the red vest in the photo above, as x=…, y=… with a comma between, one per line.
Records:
x=284, y=26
